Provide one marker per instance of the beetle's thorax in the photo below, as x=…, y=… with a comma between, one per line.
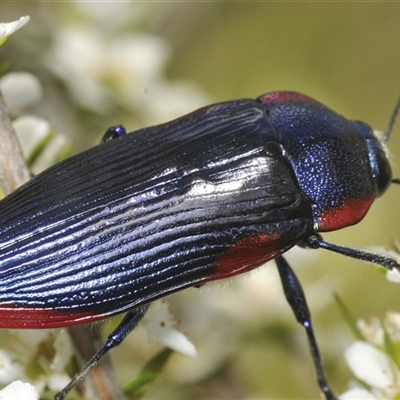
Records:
x=339, y=164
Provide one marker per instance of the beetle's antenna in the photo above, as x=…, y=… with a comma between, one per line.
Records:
x=390, y=128
x=392, y=121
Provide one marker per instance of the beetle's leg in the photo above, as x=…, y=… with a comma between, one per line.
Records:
x=316, y=242
x=114, y=132
x=297, y=300
x=127, y=325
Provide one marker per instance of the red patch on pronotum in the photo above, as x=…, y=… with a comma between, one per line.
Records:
x=285, y=97
x=349, y=213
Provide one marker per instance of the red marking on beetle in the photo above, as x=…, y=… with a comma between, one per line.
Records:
x=284, y=97
x=247, y=254
x=349, y=213
x=14, y=317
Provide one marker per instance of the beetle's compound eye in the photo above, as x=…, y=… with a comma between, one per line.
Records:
x=378, y=159
x=384, y=172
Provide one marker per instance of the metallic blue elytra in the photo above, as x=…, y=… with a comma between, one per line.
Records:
x=148, y=214
x=209, y=195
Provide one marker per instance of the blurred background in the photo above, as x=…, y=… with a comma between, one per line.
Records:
x=140, y=64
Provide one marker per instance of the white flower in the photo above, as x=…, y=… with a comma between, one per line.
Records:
x=124, y=71
x=20, y=89
x=78, y=57
x=63, y=348
x=13, y=367
x=369, y=364
x=7, y=28
x=393, y=275
x=30, y=130
x=373, y=367
x=94, y=67
x=19, y=390
x=357, y=393
x=372, y=330
x=136, y=63
x=115, y=15
x=9, y=369
x=159, y=322
x=392, y=325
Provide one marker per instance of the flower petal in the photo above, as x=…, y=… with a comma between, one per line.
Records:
x=64, y=352
x=57, y=382
x=357, y=394
x=369, y=364
x=9, y=369
x=372, y=330
x=20, y=89
x=393, y=276
x=159, y=321
x=19, y=390
x=30, y=130
x=7, y=28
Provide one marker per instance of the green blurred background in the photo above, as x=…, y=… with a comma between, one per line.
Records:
x=346, y=55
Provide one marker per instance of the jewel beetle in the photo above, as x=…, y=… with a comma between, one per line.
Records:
x=210, y=195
